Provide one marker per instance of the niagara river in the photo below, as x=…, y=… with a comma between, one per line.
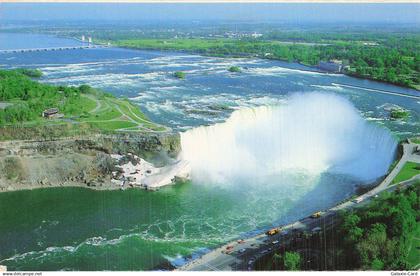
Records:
x=266, y=146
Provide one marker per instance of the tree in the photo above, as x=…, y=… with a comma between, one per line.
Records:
x=84, y=88
x=32, y=73
x=373, y=245
x=351, y=232
x=234, y=69
x=277, y=262
x=179, y=75
x=291, y=261
x=377, y=265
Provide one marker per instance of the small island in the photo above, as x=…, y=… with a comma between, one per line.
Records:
x=234, y=69
x=399, y=114
x=179, y=75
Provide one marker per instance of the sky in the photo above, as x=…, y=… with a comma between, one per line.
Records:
x=277, y=12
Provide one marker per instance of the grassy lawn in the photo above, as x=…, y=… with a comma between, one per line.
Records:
x=114, y=125
x=174, y=44
x=409, y=170
x=103, y=112
x=109, y=113
x=414, y=254
x=79, y=106
x=416, y=140
x=104, y=115
x=130, y=110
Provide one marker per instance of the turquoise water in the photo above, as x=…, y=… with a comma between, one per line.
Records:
x=12, y=41
x=80, y=229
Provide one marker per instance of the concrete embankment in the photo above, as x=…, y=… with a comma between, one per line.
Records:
x=83, y=161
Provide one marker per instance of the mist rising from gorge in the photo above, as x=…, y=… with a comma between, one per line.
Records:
x=310, y=134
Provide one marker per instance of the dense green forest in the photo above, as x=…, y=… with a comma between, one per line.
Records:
x=389, y=60
x=383, y=235
x=379, y=236
x=25, y=99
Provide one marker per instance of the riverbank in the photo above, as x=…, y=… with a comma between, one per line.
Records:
x=310, y=68
x=304, y=54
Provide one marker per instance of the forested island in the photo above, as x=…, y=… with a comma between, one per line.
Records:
x=29, y=104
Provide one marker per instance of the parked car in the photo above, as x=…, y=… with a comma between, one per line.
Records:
x=273, y=231
x=316, y=229
x=251, y=261
x=357, y=200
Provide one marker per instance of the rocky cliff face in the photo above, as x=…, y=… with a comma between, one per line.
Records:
x=78, y=161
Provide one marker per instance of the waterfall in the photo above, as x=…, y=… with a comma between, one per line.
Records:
x=310, y=133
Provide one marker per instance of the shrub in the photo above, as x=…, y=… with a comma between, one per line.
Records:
x=234, y=69
x=179, y=75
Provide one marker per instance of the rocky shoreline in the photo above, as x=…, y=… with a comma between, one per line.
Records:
x=133, y=171
x=86, y=161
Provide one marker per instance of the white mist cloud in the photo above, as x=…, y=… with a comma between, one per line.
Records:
x=310, y=134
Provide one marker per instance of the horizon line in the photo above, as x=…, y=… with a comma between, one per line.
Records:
x=218, y=1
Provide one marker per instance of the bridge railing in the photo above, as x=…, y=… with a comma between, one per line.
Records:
x=51, y=49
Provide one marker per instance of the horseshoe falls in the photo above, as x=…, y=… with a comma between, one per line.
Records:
x=311, y=134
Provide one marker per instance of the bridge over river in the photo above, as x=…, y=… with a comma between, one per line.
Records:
x=51, y=49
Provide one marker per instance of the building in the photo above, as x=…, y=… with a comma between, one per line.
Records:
x=256, y=35
x=51, y=113
x=334, y=66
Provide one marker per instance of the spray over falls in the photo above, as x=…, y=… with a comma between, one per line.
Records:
x=310, y=134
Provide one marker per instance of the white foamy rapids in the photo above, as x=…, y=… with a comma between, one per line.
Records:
x=311, y=133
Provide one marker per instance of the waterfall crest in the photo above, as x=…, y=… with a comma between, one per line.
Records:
x=311, y=133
